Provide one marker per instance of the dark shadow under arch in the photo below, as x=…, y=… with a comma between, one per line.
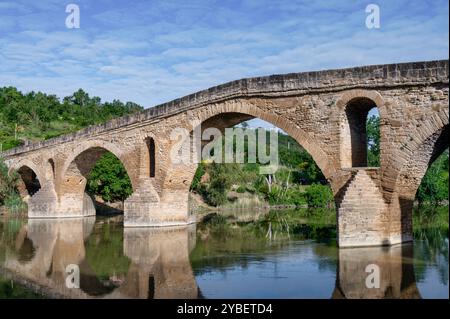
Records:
x=31, y=183
x=353, y=132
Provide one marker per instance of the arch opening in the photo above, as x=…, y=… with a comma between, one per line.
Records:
x=52, y=167
x=240, y=183
x=433, y=188
x=30, y=183
x=360, y=134
x=151, y=157
x=100, y=174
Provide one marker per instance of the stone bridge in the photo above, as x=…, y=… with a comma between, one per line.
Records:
x=325, y=112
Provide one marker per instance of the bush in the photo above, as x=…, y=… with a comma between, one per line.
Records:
x=195, y=185
x=109, y=179
x=217, y=191
x=9, y=195
x=11, y=143
x=318, y=195
x=240, y=189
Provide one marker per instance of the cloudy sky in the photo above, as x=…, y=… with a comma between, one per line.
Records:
x=151, y=52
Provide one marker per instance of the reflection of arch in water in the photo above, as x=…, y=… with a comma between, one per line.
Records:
x=160, y=266
x=57, y=243
x=397, y=278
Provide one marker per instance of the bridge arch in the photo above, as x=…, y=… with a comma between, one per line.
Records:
x=84, y=157
x=176, y=183
x=422, y=156
x=244, y=110
x=32, y=178
x=353, y=110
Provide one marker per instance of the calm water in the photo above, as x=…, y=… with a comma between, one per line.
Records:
x=273, y=258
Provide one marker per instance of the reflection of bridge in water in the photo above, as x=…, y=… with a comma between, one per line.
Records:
x=159, y=257
x=397, y=279
x=160, y=267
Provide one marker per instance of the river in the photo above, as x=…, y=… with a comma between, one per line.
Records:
x=280, y=255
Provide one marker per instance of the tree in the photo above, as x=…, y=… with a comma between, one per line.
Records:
x=434, y=186
x=318, y=195
x=373, y=141
x=109, y=179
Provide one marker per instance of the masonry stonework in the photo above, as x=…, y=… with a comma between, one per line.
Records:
x=323, y=111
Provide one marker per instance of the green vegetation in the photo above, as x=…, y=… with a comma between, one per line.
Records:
x=434, y=186
x=318, y=195
x=39, y=116
x=288, y=186
x=10, y=290
x=9, y=196
x=109, y=179
x=373, y=141
x=104, y=252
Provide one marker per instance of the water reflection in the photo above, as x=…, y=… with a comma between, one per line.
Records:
x=393, y=265
x=159, y=260
x=221, y=261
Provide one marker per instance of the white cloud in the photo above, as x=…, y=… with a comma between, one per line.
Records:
x=151, y=53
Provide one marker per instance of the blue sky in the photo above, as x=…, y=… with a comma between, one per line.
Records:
x=151, y=52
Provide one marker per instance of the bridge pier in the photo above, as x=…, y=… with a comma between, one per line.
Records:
x=45, y=203
x=363, y=216
x=144, y=208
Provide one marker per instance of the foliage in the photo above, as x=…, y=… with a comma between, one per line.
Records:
x=36, y=116
x=373, y=141
x=296, y=168
x=11, y=290
x=197, y=177
x=220, y=182
x=109, y=179
x=9, y=195
x=318, y=195
x=104, y=252
x=240, y=189
x=434, y=186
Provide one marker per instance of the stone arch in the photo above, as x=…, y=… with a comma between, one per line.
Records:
x=30, y=183
x=180, y=177
x=93, y=150
x=419, y=154
x=32, y=178
x=31, y=165
x=421, y=158
x=353, y=108
x=248, y=111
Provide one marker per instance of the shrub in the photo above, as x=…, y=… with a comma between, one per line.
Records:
x=318, y=195
x=240, y=189
x=9, y=195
